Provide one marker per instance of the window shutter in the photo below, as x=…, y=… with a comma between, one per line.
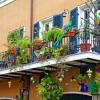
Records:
x=74, y=17
x=36, y=30
x=73, y=40
x=35, y=34
x=21, y=32
x=58, y=21
x=98, y=4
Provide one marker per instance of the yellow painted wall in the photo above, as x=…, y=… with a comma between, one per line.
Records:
x=13, y=16
x=68, y=86
x=5, y=91
x=45, y=8
x=17, y=14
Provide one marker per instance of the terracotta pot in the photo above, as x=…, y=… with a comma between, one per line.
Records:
x=37, y=43
x=62, y=53
x=41, y=58
x=46, y=43
x=12, y=50
x=71, y=33
x=85, y=47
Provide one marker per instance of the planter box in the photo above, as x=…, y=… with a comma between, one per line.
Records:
x=85, y=47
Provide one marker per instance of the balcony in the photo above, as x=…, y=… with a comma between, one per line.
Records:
x=77, y=50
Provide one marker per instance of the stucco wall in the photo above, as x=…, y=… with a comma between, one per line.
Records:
x=17, y=14
x=13, y=16
x=67, y=85
x=45, y=8
x=5, y=91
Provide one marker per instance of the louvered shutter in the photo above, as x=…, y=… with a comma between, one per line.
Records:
x=35, y=34
x=73, y=40
x=21, y=32
x=58, y=21
x=74, y=17
x=36, y=30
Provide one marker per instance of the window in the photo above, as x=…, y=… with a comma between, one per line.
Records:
x=5, y=2
x=87, y=14
x=45, y=25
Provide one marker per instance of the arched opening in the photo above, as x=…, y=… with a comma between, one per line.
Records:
x=6, y=98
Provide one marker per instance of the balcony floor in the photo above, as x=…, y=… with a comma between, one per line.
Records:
x=77, y=60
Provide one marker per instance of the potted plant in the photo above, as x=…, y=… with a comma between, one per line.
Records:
x=37, y=42
x=93, y=87
x=23, y=45
x=71, y=33
x=53, y=35
x=85, y=47
x=40, y=54
x=12, y=40
x=80, y=78
x=49, y=89
x=84, y=38
x=48, y=52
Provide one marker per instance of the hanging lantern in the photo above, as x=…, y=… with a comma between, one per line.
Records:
x=32, y=80
x=60, y=79
x=89, y=72
x=9, y=84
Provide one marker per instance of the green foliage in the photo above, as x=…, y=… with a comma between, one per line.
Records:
x=93, y=87
x=67, y=27
x=80, y=77
x=23, y=44
x=12, y=38
x=49, y=89
x=53, y=34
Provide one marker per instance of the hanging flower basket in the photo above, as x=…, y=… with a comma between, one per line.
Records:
x=85, y=47
x=71, y=33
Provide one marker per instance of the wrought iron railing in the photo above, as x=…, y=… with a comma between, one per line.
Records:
x=76, y=44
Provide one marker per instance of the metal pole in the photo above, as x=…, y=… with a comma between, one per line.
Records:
x=31, y=24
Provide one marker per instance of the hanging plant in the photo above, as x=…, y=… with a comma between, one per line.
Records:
x=80, y=78
x=93, y=87
x=49, y=89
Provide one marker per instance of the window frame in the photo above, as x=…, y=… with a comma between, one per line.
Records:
x=5, y=2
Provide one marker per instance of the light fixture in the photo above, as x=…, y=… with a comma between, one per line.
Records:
x=9, y=84
x=65, y=12
x=32, y=78
x=89, y=72
x=60, y=79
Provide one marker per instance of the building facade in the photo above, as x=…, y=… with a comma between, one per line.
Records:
x=34, y=17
